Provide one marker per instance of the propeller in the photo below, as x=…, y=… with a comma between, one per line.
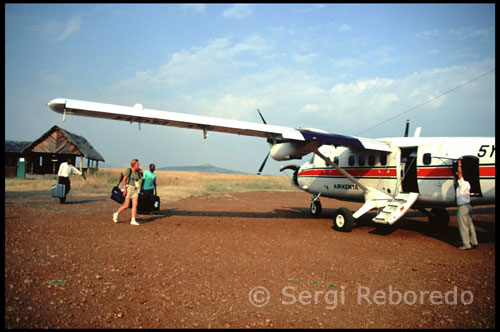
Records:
x=407, y=127
x=269, y=141
x=263, y=164
x=261, y=116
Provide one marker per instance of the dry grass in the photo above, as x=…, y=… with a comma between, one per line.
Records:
x=172, y=186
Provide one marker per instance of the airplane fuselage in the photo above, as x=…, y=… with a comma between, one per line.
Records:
x=415, y=164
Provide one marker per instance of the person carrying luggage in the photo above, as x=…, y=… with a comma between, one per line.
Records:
x=149, y=188
x=65, y=170
x=131, y=187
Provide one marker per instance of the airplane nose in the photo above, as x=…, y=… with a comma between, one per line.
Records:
x=295, y=169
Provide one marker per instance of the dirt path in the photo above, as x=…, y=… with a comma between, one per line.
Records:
x=238, y=261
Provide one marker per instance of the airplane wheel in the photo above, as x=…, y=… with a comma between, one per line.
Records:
x=315, y=208
x=343, y=220
x=439, y=218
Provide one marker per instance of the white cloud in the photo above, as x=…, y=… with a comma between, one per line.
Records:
x=56, y=31
x=310, y=108
x=344, y=28
x=195, y=7
x=462, y=33
x=69, y=28
x=430, y=33
x=347, y=63
x=469, y=32
x=238, y=12
x=230, y=79
x=211, y=62
x=306, y=58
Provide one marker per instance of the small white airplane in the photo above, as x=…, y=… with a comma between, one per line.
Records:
x=387, y=174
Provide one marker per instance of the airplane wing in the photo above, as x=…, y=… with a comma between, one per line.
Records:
x=141, y=115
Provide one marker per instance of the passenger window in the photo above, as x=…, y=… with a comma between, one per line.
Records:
x=336, y=160
x=383, y=159
x=427, y=158
x=351, y=160
x=361, y=160
x=371, y=160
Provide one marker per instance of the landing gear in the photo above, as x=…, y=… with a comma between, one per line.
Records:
x=315, y=208
x=439, y=218
x=343, y=220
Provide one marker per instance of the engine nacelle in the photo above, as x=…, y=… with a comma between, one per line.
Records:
x=292, y=150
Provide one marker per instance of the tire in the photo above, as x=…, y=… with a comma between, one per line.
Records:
x=315, y=208
x=439, y=219
x=343, y=220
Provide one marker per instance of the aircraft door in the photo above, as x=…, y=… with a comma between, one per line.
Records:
x=470, y=171
x=409, y=169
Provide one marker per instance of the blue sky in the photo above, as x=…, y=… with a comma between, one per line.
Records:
x=340, y=68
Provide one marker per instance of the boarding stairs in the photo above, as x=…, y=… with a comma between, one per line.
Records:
x=396, y=208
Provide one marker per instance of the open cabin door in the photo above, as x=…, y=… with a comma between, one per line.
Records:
x=470, y=171
x=409, y=170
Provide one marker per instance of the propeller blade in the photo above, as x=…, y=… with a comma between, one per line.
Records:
x=263, y=164
x=407, y=127
x=261, y=117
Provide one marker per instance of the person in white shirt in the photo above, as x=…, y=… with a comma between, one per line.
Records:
x=65, y=170
x=464, y=213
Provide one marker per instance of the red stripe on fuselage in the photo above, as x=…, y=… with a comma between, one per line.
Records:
x=434, y=172
x=367, y=172
x=423, y=172
x=487, y=171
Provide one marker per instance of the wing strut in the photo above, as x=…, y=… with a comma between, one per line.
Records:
x=342, y=171
x=374, y=198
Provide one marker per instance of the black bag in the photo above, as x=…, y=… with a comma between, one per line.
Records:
x=116, y=193
x=142, y=204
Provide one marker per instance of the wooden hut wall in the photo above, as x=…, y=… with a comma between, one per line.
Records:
x=43, y=163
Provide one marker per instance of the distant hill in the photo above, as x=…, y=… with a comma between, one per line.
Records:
x=206, y=168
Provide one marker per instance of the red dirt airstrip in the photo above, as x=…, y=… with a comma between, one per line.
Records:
x=241, y=260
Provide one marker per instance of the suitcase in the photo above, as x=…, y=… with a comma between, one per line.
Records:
x=58, y=190
x=141, y=208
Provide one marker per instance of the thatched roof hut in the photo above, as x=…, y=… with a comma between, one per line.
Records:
x=56, y=146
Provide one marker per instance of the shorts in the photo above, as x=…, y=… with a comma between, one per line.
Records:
x=132, y=191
